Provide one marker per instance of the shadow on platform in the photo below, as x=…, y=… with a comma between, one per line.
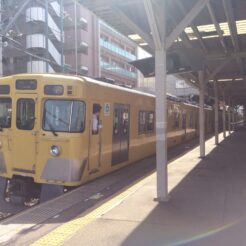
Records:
x=208, y=206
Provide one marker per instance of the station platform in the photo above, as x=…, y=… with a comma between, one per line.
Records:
x=207, y=206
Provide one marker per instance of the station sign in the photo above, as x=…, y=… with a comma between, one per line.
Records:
x=106, y=109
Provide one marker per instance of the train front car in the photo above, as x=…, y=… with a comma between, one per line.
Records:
x=42, y=120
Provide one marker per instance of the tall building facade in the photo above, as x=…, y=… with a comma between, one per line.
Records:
x=116, y=51
x=61, y=36
x=81, y=34
x=32, y=36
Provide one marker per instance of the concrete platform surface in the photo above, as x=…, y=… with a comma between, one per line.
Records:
x=207, y=205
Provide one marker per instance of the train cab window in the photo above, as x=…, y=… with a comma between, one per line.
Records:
x=64, y=116
x=5, y=112
x=25, y=116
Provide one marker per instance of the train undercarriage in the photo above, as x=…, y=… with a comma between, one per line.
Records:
x=23, y=190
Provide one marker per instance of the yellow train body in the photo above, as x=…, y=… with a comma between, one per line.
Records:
x=126, y=131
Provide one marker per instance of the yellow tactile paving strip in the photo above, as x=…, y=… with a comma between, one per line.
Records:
x=67, y=230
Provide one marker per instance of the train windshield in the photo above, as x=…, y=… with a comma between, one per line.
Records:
x=64, y=116
x=5, y=112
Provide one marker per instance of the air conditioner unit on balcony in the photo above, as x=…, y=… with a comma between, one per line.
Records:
x=84, y=68
x=84, y=44
x=83, y=20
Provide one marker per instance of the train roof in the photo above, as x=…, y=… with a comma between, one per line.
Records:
x=98, y=82
x=81, y=78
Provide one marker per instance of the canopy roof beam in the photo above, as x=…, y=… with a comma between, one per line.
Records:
x=152, y=23
x=217, y=26
x=190, y=16
x=215, y=57
x=193, y=27
x=11, y=23
x=183, y=35
x=233, y=30
x=220, y=67
x=124, y=18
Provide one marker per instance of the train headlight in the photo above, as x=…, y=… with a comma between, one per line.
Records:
x=55, y=150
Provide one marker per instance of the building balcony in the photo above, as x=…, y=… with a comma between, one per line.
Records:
x=69, y=23
x=117, y=50
x=117, y=70
x=82, y=47
x=39, y=41
x=39, y=67
x=37, y=14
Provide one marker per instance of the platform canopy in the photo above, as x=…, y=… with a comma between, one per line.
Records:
x=216, y=27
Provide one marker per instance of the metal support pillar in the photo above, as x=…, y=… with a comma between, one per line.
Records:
x=229, y=118
x=46, y=36
x=216, y=114
x=1, y=42
x=233, y=117
x=158, y=31
x=76, y=37
x=161, y=124
x=244, y=115
x=201, y=113
x=62, y=35
x=224, y=116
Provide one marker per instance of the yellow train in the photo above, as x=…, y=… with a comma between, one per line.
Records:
x=61, y=131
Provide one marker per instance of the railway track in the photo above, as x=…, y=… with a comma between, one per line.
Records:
x=8, y=209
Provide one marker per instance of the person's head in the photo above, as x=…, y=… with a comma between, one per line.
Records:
x=96, y=109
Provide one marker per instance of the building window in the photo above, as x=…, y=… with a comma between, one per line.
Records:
x=84, y=47
x=83, y=24
x=84, y=70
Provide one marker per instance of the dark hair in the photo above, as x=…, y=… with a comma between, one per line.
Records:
x=96, y=108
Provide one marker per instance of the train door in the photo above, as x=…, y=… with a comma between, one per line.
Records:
x=120, y=141
x=24, y=134
x=184, y=121
x=95, y=141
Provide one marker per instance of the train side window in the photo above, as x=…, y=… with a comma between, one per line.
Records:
x=141, y=122
x=25, y=116
x=125, y=121
x=150, y=121
x=191, y=120
x=175, y=120
x=5, y=112
x=145, y=122
x=183, y=120
x=116, y=122
x=96, y=118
